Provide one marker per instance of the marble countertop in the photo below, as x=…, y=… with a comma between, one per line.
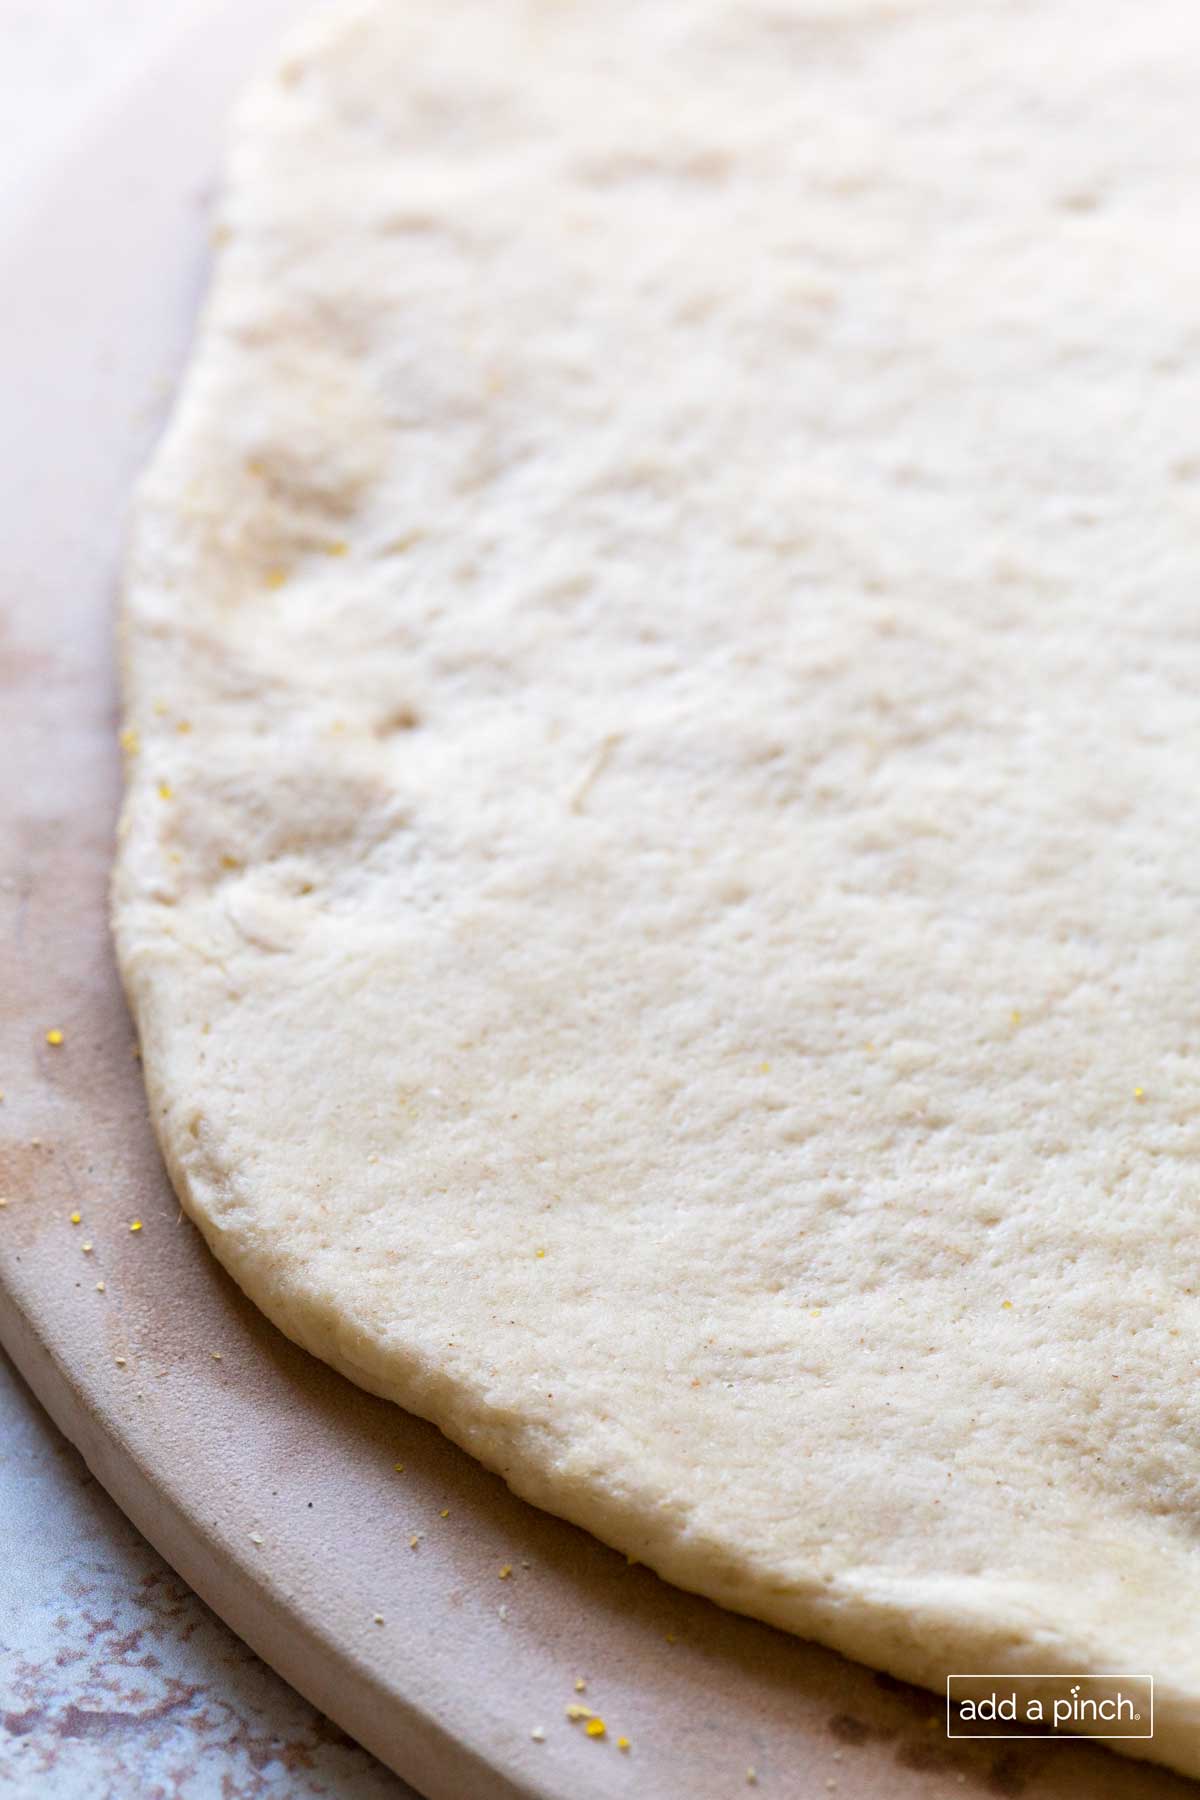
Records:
x=116, y=1682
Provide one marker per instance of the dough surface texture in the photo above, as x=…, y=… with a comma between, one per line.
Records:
x=659, y=874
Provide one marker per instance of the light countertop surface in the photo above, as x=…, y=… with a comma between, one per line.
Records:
x=116, y=1682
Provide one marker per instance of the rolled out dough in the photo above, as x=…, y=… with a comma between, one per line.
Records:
x=659, y=877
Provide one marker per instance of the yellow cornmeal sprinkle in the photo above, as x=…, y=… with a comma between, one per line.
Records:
x=445, y=1513
x=580, y=1685
x=276, y=577
x=413, y=1542
x=1016, y=1017
x=399, y=1467
x=539, y=1253
x=129, y=740
x=1139, y=1093
x=99, y=1287
x=622, y=1743
x=76, y=1217
x=505, y=1571
x=136, y=1225
x=336, y=547
x=595, y=1728
x=575, y=1713
x=1006, y=1306
x=165, y=791
x=54, y=1037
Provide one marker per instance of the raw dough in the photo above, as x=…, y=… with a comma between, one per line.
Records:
x=659, y=878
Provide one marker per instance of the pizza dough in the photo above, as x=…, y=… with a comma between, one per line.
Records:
x=659, y=875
